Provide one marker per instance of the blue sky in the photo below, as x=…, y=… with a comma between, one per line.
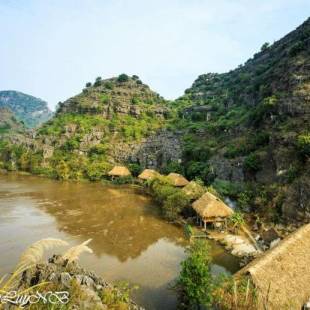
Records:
x=50, y=49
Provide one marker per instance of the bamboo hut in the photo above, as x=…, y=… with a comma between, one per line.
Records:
x=148, y=174
x=193, y=190
x=119, y=171
x=211, y=209
x=177, y=179
x=282, y=275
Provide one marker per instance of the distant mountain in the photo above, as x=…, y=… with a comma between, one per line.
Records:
x=30, y=110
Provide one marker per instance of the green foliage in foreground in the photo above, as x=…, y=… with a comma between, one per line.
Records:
x=195, y=282
x=199, y=289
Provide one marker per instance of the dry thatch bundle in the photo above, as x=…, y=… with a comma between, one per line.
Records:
x=177, y=179
x=75, y=252
x=34, y=254
x=193, y=190
x=282, y=275
x=210, y=207
x=119, y=171
x=148, y=174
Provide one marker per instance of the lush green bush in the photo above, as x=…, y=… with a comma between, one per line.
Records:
x=252, y=163
x=123, y=78
x=174, y=166
x=303, y=144
x=162, y=191
x=202, y=170
x=95, y=171
x=195, y=283
x=123, y=180
x=135, y=169
x=98, y=81
x=62, y=171
x=175, y=204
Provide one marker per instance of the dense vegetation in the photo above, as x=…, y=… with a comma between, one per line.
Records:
x=198, y=288
x=247, y=131
x=27, y=109
x=79, y=142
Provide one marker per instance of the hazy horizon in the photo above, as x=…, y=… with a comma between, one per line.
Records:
x=50, y=49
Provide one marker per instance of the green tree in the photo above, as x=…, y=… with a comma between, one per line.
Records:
x=195, y=282
x=252, y=163
x=88, y=84
x=98, y=81
x=265, y=46
x=62, y=171
x=175, y=204
x=123, y=78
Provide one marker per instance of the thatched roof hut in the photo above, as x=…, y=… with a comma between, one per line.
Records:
x=148, y=174
x=193, y=190
x=282, y=274
x=210, y=208
x=177, y=179
x=119, y=171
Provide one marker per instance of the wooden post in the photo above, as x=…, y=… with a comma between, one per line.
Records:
x=205, y=225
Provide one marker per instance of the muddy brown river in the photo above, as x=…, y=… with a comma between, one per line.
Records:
x=129, y=239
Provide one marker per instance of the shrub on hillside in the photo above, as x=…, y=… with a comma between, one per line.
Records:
x=123, y=78
x=252, y=163
x=303, y=144
x=98, y=81
x=174, y=166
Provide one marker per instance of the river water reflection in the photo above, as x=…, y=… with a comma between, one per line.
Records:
x=129, y=239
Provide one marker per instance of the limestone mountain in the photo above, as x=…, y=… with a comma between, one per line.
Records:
x=112, y=121
x=251, y=126
x=8, y=122
x=30, y=110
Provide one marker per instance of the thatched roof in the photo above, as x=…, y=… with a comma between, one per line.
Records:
x=193, y=190
x=177, y=179
x=209, y=206
x=119, y=171
x=148, y=174
x=284, y=272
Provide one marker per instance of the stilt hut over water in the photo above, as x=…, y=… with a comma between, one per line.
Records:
x=177, y=179
x=282, y=275
x=148, y=174
x=211, y=209
x=119, y=171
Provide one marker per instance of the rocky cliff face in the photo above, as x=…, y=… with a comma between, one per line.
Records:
x=247, y=125
x=113, y=121
x=8, y=123
x=121, y=95
x=28, y=109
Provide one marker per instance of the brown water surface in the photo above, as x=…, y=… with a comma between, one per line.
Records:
x=129, y=239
